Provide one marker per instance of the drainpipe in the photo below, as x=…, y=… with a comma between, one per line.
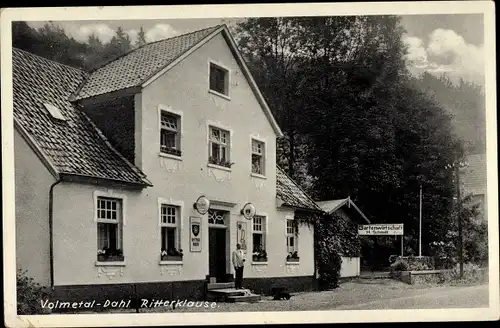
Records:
x=51, y=232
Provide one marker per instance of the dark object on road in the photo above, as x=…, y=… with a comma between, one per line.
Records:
x=280, y=293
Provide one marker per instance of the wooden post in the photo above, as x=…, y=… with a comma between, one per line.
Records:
x=402, y=248
x=420, y=225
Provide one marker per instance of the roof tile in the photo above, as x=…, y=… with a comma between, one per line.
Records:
x=291, y=194
x=74, y=146
x=137, y=66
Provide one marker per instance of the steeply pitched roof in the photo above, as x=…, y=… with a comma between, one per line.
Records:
x=291, y=194
x=141, y=66
x=330, y=206
x=73, y=146
x=137, y=66
x=474, y=175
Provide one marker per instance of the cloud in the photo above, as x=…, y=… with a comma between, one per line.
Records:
x=159, y=32
x=82, y=32
x=417, y=54
x=446, y=52
x=133, y=34
x=105, y=32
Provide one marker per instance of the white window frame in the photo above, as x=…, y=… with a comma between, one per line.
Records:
x=178, y=225
x=294, y=235
x=169, y=110
x=264, y=156
x=111, y=194
x=264, y=232
x=228, y=82
x=218, y=125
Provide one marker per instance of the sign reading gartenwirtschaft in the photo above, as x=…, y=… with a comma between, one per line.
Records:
x=381, y=229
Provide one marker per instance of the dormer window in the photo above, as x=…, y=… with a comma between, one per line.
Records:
x=170, y=139
x=219, y=80
x=54, y=112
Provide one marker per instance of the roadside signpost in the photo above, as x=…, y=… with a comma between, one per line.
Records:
x=382, y=230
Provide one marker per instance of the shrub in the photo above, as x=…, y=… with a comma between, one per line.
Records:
x=29, y=295
x=472, y=274
x=400, y=265
x=329, y=264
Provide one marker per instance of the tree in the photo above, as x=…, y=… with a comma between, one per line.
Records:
x=119, y=45
x=465, y=102
x=268, y=44
x=141, y=38
x=95, y=53
x=341, y=92
x=49, y=41
x=24, y=37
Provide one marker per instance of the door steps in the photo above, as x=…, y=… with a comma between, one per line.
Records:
x=225, y=292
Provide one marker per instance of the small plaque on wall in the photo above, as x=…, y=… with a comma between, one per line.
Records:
x=195, y=234
x=241, y=234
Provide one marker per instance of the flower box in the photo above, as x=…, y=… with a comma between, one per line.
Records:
x=171, y=257
x=292, y=259
x=171, y=151
x=110, y=258
x=256, y=258
x=218, y=162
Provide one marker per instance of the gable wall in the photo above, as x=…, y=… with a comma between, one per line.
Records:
x=32, y=184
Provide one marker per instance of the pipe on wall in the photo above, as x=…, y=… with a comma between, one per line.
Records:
x=51, y=232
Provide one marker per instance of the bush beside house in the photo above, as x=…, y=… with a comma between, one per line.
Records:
x=29, y=295
x=335, y=237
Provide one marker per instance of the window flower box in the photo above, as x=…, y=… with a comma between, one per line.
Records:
x=171, y=258
x=110, y=258
x=219, y=162
x=110, y=255
x=257, y=258
x=293, y=257
x=171, y=255
x=171, y=151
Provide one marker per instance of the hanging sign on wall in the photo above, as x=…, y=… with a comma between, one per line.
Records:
x=202, y=205
x=248, y=211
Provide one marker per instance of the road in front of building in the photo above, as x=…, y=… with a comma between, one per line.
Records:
x=438, y=298
x=363, y=294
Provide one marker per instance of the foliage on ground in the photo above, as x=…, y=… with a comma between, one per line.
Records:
x=29, y=295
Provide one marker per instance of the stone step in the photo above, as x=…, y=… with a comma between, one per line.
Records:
x=220, y=285
x=245, y=298
x=229, y=291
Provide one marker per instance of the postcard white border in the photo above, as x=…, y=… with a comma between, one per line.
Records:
x=234, y=11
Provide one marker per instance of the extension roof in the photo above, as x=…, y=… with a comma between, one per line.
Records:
x=291, y=194
x=331, y=206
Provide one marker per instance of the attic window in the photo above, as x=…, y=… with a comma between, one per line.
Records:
x=55, y=112
x=219, y=80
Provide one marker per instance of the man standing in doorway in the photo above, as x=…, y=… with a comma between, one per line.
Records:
x=238, y=258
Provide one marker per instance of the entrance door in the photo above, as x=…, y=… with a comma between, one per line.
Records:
x=217, y=253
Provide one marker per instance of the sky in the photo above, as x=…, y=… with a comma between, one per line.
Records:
x=451, y=44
